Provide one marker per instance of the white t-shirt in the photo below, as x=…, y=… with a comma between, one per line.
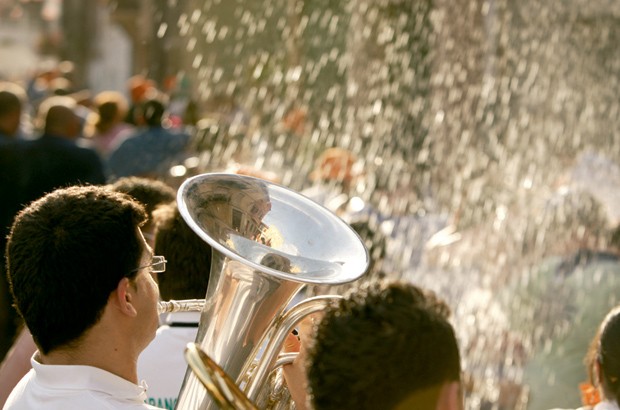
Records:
x=606, y=405
x=162, y=364
x=68, y=387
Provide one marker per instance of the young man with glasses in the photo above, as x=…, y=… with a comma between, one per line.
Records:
x=81, y=277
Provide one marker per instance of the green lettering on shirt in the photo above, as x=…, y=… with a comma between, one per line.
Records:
x=165, y=403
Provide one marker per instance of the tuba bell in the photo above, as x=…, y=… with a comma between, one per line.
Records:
x=268, y=241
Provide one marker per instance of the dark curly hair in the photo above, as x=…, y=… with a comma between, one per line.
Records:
x=66, y=253
x=188, y=256
x=149, y=192
x=378, y=345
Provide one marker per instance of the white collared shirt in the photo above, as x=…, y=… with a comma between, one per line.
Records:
x=162, y=364
x=67, y=387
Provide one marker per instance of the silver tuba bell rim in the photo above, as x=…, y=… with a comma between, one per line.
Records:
x=333, y=273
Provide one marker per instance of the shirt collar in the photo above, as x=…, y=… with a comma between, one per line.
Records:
x=76, y=377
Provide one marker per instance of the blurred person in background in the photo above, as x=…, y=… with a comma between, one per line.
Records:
x=140, y=89
x=603, y=364
x=16, y=363
x=151, y=149
x=12, y=100
x=333, y=179
x=32, y=168
x=151, y=194
x=56, y=159
x=39, y=86
x=107, y=123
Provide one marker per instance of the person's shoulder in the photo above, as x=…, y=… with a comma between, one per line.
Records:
x=6, y=141
x=129, y=137
x=159, y=130
x=580, y=408
x=17, y=397
x=74, y=148
x=176, y=133
x=51, y=142
x=170, y=138
x=604, y=405
x=126, y=141
x=96, y=401
x=13, y=146
x=86, y=148
x=134, y=406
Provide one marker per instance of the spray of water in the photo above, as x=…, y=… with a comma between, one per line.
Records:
x=484, y=134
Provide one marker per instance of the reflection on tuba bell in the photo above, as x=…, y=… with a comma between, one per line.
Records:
x=267, y=242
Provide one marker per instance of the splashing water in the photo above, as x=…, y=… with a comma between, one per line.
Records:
x=480, y=128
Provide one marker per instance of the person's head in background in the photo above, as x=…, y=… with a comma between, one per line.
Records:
x=336, y=165
x=150, y=193
x=571, y=221
x=150, y=113
x=67, y=255
x=57, y=117
x=188, y=256
x=111, y=108
x=12, y=99
x=388, y=346
x=140, y=88
x=335, y=182
x=105, y=123
x=603, y=358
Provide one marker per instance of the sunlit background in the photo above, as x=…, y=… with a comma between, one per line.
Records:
x=485, y=132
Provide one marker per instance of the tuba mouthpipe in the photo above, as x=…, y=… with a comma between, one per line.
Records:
x=276, y=337
x=186, y=305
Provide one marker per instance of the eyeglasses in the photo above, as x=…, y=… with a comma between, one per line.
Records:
x=157, y=265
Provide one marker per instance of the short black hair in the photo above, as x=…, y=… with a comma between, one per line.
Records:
x=152, y=111
x=188, y=256
x=149, y=192
x=66, y=253
x=9, y=102
x=378, y=345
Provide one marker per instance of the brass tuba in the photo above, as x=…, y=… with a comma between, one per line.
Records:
x=268, y=241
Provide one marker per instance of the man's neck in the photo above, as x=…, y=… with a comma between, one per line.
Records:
x=103, y=351
x=444, y=396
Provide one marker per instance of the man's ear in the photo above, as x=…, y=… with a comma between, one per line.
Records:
x=454, y=396
x=451, y=397
x=123, y=297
